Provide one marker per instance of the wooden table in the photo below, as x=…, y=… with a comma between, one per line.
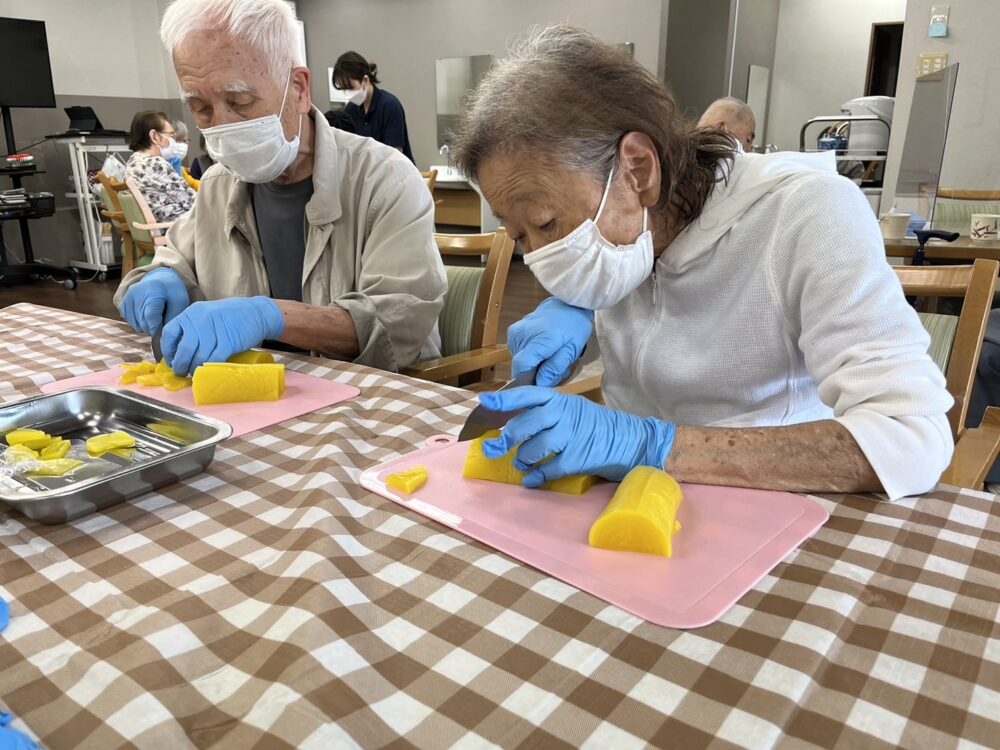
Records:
x=963, y=249
x=272, y=602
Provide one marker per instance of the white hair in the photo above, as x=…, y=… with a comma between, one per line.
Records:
x=269, y=26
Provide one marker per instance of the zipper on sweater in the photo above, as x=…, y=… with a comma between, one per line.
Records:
x=654, y=283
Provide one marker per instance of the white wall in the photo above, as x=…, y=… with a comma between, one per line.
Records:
x=84, y=35
x=972, y=156
x=821, y=59
x=406, y=37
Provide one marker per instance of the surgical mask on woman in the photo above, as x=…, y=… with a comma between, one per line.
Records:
x=358, y=96
x=586, y=270
x=254, y=150
x=172, y=149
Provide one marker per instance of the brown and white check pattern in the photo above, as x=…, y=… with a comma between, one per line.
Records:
x=271, y=602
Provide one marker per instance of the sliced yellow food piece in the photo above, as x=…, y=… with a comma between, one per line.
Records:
x=103, y=443
x=409, y=480
x=34, y=439
x=128, y=377
x=55, y=468
x=150, y=379
x=126, y=453
x=642, y=515
x=174, y=431
x=227, y=383
x=478, y=466
x=162, y=368
x=139, y=368
x=19, y=453
x=252, y=357
x=58, y=448
x=172, y=382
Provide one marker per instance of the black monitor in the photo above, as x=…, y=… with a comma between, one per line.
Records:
x=25, y=73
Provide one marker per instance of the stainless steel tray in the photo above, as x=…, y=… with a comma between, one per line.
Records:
x=171, y=444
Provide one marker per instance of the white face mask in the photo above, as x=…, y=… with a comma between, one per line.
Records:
x=358, y=96
x=254, y=150
x=180, y=150
x=586, y=270
x=169, y=151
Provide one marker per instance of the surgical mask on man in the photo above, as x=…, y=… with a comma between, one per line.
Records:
x=357, y=96
x=586, y=270
x=254, y=150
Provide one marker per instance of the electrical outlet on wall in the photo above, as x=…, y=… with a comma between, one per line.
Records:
x=931, y=62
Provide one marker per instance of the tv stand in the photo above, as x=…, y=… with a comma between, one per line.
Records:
x=30, y=270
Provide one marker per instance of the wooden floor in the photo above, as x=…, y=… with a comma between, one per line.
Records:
x=94, y=298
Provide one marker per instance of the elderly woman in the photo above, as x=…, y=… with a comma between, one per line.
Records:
x=751, y=330
x=153, y=141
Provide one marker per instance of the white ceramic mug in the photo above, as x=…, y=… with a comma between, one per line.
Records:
x=894, y=226
x=984, y=227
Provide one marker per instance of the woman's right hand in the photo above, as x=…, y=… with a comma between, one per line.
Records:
x=155, y=300
x=551, y=338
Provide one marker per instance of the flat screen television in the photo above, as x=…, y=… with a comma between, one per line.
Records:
x=25, y=73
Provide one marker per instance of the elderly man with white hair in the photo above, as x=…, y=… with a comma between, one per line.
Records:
x=301, y=234
x=734, y=116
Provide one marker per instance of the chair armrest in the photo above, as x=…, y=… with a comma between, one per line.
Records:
x=155, y=225
x=975, y=452
x=586, y=387
x=459, y=364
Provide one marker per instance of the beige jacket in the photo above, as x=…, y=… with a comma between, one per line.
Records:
x=370, y=246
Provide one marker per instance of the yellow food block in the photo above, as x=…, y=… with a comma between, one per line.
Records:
x=408, y=481
x=150, y=379
x=478, y=466
x=252, y=357
x=642, y=515
x=100, y=444
x=227, y=383
x=55, y=468
x=139, y=368
x=171, y=382
x=34, y=439
x=58, y=448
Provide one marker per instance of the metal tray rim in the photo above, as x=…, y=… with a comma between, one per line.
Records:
x=223, y=431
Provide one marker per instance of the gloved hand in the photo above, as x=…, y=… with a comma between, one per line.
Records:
x=551, y=338
x=215, y=331
x=583, y=437
x=156, y=300
x=4, y=614
x=11, y=739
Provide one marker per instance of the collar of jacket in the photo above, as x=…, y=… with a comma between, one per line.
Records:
x=324, y=206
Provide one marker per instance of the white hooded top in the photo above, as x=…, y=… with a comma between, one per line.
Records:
x=776, y=307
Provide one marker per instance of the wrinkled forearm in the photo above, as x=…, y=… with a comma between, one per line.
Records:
x=329, y=330
x=811, y=457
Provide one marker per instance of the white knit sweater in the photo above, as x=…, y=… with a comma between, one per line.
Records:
x=778, y=307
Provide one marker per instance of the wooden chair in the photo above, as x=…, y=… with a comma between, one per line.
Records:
x=430, y=178
x=954, y=207
x=112, y=211
x=141, y=222
x=470, y=318
x=956, y=344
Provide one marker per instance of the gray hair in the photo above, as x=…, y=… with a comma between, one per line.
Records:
x=269, y=26
x=181, y=130
x=561, y=94
x=738, y=108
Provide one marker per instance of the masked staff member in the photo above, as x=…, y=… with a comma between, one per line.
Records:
x=311, y=236
x=751, y=330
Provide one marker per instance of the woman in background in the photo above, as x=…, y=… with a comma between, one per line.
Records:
x=376, y=113
x=153, y=139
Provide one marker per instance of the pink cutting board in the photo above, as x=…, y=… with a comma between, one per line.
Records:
x=303, y=394
x=730, y=538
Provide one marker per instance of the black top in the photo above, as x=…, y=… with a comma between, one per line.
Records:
x=384, y=121
x=280, y=211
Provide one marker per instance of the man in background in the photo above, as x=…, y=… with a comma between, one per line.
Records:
x=734, y=116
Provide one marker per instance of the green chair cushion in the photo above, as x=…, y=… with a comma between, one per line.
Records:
x=133, y=215
x=942, y=330
x=458, y=313
x=957, y=216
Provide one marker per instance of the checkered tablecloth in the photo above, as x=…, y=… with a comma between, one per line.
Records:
x=271, y=602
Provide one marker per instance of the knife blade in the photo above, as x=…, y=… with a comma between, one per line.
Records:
x=154, y=343
x=481, y=419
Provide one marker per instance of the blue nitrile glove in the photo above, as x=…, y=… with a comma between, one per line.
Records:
x=155, y=300
x=4, y=614
x=551, y=338
x=177, y=163
x=215, y=331
x=583, y=437
x=11, y=739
